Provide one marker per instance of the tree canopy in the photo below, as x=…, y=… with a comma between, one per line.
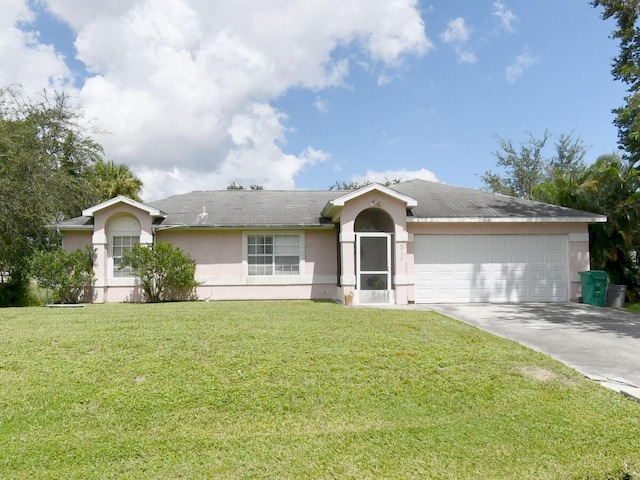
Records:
x=165, y=272
x=352, y=185
x=526, y=165
x=626, y=68
x=50, y=169
x=109, y=179
x=44, y=150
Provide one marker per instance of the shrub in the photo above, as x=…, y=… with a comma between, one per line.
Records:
x=165, y=272
x=68, y=274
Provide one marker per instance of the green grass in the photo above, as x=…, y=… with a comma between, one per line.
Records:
x=633, y=307
x=294, y=390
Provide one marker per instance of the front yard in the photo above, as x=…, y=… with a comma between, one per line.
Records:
x=294, y=390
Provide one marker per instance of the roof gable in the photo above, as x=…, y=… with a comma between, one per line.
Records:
x=154, y=212
x=339, y=202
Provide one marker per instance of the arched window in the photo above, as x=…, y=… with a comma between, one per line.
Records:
x=124, y=233
x=374, y=220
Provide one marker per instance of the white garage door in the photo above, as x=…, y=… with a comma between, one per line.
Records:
x=491, y=268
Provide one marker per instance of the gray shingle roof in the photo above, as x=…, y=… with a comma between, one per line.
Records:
x=272, y=208
x=438, y=200
x=77, y=223
x=242, y=208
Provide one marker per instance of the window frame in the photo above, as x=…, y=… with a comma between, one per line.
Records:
x=260, y=250
x=120, y=226
x=126, y=272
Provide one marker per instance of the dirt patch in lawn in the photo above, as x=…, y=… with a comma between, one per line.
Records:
x=544, y=375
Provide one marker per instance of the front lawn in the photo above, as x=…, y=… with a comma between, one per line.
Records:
x=294, y=390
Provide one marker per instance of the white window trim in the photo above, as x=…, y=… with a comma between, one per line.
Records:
x=272, y=279
x=117, y=230
x=113, y=257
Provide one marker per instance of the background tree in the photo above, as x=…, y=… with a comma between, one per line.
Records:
x=68, y=274
x=165, y=272
x=626, y=68
x=110, y=179
x=610, y=186
x=345, y=185
x=44, y=152
x=235, y=186
x=526, y=166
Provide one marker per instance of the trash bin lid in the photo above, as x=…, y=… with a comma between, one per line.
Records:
x=599, y=275
x=596, y=274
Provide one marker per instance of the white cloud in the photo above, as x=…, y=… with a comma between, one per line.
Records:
x=458, y=34
x=505, y=15
x=520, y=64
x=24, y=59
x=184, y=86
x=390, y=175
x=466, y=57
x=321, y=105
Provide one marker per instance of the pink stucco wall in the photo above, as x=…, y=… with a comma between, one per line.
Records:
x=321, y=254
x=76, y=239
x=219, y=257
x=217, y=253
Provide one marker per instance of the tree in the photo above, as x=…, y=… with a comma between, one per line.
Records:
x=626, y=68
x=525, y=166
x=44, y=151
x=236, y=186
x=68, y=274
x=165, y=272
x=344, y=185
x=610, y=187
x=110, y=179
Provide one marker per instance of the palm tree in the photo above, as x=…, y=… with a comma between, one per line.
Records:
x=111, y=179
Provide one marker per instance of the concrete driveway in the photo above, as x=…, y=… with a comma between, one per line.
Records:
x=601, y=343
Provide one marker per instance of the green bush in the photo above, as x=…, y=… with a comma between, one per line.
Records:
x=69, y=275
x=165, y=272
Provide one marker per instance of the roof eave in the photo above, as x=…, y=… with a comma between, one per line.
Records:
x=69, y=228
x=300, y=226
x=593, y=219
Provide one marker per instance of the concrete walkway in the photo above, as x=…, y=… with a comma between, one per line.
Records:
x=601, y=343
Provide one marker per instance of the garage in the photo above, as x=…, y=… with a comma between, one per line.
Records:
x=491, y=268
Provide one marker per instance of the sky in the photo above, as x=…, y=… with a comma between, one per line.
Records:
x=196, y=94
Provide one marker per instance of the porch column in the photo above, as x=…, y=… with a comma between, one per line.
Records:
x=99, y=242
x=347, y=250
x=402, y=276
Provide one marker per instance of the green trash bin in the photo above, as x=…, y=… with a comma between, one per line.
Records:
x=594, y=287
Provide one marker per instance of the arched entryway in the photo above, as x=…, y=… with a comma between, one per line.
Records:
x=374, y=240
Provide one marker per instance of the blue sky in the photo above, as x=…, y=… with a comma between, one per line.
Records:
x=298, y=94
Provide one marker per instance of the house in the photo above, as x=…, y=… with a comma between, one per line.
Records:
x=416, y=241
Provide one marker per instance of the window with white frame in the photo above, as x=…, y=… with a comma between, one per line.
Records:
x=124, y=233
x=122, y=244
x=273, y=254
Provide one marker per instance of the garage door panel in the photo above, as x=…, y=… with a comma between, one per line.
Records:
x=491, y=268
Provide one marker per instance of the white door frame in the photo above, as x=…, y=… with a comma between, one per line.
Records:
x=387, y=272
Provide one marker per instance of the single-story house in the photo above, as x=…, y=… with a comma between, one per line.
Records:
x=412, y=242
